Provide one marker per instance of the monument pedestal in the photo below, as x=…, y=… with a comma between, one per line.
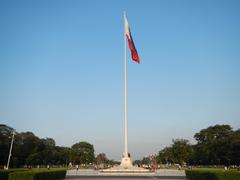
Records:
x=130, y=170
x=126, y=162
x=126, y=168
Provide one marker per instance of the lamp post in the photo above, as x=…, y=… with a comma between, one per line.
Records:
x=10, y=150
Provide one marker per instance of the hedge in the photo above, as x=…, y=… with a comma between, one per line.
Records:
x=38, y=175
x=212, y=175
x=4, y=173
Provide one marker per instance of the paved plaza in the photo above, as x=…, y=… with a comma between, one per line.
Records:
x=93, y=175
x=128, y=178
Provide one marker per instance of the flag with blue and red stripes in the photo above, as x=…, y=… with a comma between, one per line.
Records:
x=131, y=45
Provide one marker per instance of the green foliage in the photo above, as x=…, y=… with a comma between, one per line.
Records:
x=38, y=175
x=101, y=158
x=180, y=152
x=212, y=175
x=4, y=173
x=165, y=156
x=21, y=175
x=5, y=139
x=146, y=160
x=200, y=175
x=29, y=149
x=216, y=145
x=83, y=153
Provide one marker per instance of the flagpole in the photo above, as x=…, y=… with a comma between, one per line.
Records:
x=125, y=95
x=126, y=161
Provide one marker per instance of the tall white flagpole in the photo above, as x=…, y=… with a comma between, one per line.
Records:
x=125, y=95
x=126, y=161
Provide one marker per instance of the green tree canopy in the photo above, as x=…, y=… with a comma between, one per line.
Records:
x=83, y=153
x=217, y=145
x=179, y=152
x=5, y=140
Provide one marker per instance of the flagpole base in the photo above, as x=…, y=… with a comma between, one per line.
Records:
x=126, y=162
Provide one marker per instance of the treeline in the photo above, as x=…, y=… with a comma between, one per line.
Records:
x=216, y=145
x=29, y=149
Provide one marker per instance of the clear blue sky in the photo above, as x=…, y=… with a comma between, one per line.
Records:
x=61, y=70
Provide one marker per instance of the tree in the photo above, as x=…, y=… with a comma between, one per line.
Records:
x=179, y=152
x=83, y=153
x=146, y=161
x=47, y=152
x=5, y=140
x=49, y=142
x=215, y=145
x=213, y=133
x=29, y=149
x=165, y=156
x=26, y=143
x=182, y=151
x=200, y=155
x=64, y=155
x=137, y=163
x=235, y=148
x=101, y=158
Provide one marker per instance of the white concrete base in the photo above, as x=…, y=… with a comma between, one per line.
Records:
x=125, y=170
x=126, y=162
x=125, y=167
x=119, y=171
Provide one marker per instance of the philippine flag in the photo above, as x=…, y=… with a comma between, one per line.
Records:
x=131, y=45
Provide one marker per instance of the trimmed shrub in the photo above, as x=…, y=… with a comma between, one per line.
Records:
x=4, y=173
x=199, y=175
x=229, y=175
x=38, y=175
x=21, y=176
x=212, y=175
